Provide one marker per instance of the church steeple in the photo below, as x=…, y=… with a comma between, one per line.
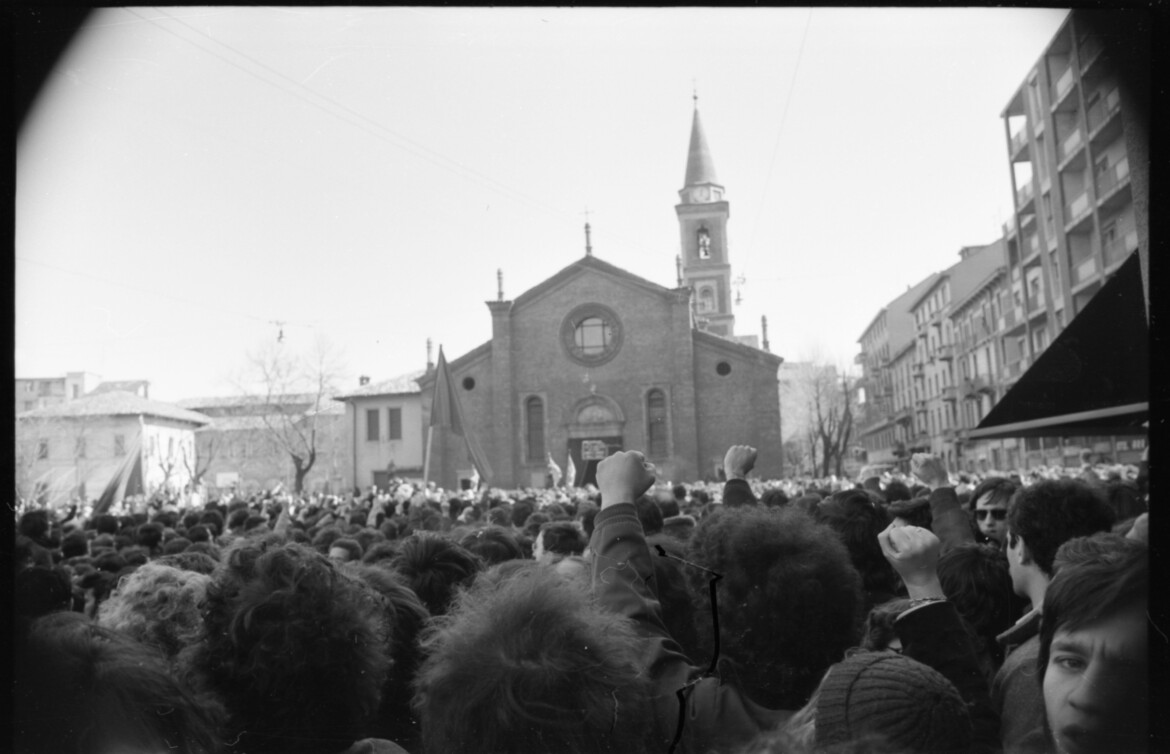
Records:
x=702, y=218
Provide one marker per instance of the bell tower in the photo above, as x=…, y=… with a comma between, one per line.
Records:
x=702, y=219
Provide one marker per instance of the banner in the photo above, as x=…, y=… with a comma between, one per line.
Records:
x=554, y=470
x=127, y=479
x=445, y=412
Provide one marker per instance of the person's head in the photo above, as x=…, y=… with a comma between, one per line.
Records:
x=492, y=544
x=493, y=682
x=344, y=549
x=673, y=591
x=774, y=497
x=855, y=518
x=989, y=505
x=557, y=539
x=914, y=512
x=199, y=562
x=158, y=604
x=436, y=569
x=1041, y=518
x=649, y=514
x=586, y=512
x=407, y=616
x=82, y=687
x=39, y=591
x=149, y=535
x=679, y=492
x=789, y=602
x=521, y=510
x=213, y=520
x=896, y=490
x=74, y=544
x=878, y=633
x=977, y=580
x=500, y=515
x=1094, y=649
x=297, y=650
x=911, y=706
x=199, y=533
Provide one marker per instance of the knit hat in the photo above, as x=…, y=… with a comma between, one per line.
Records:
x=911, y=705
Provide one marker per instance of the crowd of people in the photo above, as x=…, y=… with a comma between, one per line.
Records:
x=931, y=612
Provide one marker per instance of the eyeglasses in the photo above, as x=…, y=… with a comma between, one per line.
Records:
x=999, y=514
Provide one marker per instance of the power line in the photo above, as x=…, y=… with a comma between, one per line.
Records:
x=780, y=129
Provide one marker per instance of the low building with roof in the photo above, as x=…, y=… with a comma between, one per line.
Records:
x=388, y=435
x=245, y=447
x=72, y=449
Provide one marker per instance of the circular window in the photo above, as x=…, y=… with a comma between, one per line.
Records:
x=591, y=334
x=468, y=383
x=723, y=368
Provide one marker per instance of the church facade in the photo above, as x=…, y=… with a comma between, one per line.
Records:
x=596, y=359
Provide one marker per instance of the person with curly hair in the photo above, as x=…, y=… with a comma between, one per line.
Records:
x=522, y=665
x=82, y=687
x=157, y=605
x=557, y=540
x=975, y=577
x=788, y=606
x=436, y=569
x=298, y=650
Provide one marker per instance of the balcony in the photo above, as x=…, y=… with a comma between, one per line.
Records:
x=904, y=416
x=1088, y=49
x=1102, y=110
x=1082, y=272
x=946, y=352
x=1017, y=368
x=917, y=369
x=1064, y=85
x=920, y=404
x=1078, y=208
x=1112, y=179
x=1009, y=228
x=1033, y=248
x=1019, y=142
x=1013, y=319
x=974, y=386
x=1118, y=249
x=950, y=393
x=1024, y=196
x=950, y=435
x=1070, y=145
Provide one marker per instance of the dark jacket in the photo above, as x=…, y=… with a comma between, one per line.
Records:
x=1016, y=691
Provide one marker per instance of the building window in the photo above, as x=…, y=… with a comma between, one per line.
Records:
x=42, y=450
x=534, y=413
x=706, y=299
x=119, y=445
x=76, y=391
x=394, y=416
x=591, y=334
x=656, y=430
x=79, y=448
x=704, y=244
x=372, y=428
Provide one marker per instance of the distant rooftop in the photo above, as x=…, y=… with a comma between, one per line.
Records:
x=116, y=403
x=403, y=384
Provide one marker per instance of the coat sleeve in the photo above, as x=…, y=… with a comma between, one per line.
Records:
x=949, y=521
x=738, y=492
x=934, y=635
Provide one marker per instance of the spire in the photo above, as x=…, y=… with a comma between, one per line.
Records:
x=588, y=244
x=499, y=285
x=700, y=166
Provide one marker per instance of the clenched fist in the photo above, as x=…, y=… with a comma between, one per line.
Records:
x=623, y=477
x=739, y=460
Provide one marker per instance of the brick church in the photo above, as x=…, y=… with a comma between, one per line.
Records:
x=596, y=359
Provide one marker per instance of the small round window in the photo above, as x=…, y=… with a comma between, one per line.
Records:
x=723, y=368
x=468, y=383
x=591, y=334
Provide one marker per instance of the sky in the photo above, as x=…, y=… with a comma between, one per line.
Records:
x=194, y=182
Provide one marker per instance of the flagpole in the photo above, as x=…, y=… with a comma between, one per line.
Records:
x=427, y=460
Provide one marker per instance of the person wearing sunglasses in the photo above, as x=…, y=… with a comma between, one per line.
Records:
x=989, y=506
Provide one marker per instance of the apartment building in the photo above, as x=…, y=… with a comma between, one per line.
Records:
x=40, y=392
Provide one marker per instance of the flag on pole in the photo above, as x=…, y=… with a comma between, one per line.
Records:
x=554, y=470
x=127, y=479
x=570, y=472
x=474, y=478
x=445, y=412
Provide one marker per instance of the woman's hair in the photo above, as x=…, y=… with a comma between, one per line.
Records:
x=157, y=605
x=858, y=521
x=298, y=650
x=523, y=664
x=878, y=631
x=80, y=687
x=789, y=601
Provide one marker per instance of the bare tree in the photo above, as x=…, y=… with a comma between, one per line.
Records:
x=291, y=391
x=207, y=446
x=831, y=419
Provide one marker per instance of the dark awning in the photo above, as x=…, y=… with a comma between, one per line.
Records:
x=1093, y=379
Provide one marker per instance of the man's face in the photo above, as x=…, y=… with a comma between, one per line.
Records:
x=991, y=517
x=1096, y=685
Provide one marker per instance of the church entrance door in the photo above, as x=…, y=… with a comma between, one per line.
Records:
x=586, y=452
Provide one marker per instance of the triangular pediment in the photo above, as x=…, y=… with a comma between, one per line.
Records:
x=591, y=265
